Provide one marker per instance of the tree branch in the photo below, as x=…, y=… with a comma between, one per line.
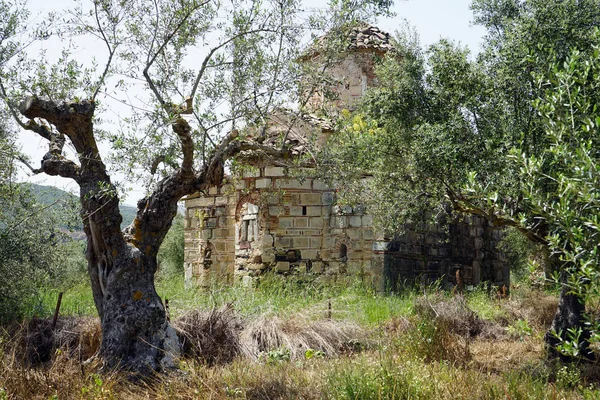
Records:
x=462, y=204
x=216, y=48
x=111, y=52
x=183, y=131
x=160, y=49
x=72, y=119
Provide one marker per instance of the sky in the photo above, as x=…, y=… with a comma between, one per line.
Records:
x=431, y=19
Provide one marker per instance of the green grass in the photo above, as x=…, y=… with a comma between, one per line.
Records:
x=413, y=356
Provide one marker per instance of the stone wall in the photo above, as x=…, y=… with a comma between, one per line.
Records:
x=293, y=228
x=350, y=78
x=427, y=252
x=267, y=221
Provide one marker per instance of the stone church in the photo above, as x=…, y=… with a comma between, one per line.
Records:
x=263, y=219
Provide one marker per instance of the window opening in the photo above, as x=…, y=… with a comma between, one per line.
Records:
x=343, y=253
x=303, y=210
x=248, y=231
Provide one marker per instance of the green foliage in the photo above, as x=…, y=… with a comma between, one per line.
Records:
x=277, y=356
x=34, y=252
x=385, y=380
x=171, y=255
x=519, y=252
x=520, y=328
x=512, y=136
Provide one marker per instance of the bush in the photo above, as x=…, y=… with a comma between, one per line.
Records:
x=33, y=252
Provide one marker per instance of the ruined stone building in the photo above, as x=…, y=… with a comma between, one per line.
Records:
x=262, y=219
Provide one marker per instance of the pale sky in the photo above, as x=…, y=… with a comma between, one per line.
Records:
x=432, y=20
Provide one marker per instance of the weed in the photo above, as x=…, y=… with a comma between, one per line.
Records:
x=519, y=329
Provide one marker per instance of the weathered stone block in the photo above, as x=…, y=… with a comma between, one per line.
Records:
x=267, y=241
x=310, y=199
x=268, y=258
x=221, y=200
x=300, y=242
x=220, y=211
x=300, y=222
x=286, y=222
x=296, y=211
x=355, y=221
x=274, y=171
x=275, y=210
x=293, y=184
x=316, y=222
x=315, y=242
x=327, y=198
x=200, y=202
x=319, y=185
x=223, y=233
x=207, y=234
x=283, y=266
x=262, y=183
x=283, y=242
x=353, y=233
x=309, y=254
x=313, y=211
x=479, y=243
x=338, y=221
x=256, y=266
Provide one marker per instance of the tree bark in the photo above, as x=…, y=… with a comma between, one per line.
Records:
x=570, y=314
x=136, y=335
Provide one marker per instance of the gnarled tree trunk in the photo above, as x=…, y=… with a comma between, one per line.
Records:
x=570, y=315
x=121, y=265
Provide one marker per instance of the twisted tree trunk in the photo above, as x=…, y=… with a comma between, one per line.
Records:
x=569, y=317
x=135, y=333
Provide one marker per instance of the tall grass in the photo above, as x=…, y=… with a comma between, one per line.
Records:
x=291, y=338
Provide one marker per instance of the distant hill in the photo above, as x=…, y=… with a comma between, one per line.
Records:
x=50, y=194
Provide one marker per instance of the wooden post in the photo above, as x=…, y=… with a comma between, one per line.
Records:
x=55, y=319
x=167, y=310
x=329, y=309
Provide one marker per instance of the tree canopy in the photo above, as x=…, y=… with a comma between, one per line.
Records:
x=511, y=135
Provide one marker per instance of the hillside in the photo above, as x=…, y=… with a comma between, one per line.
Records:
x=50, y=194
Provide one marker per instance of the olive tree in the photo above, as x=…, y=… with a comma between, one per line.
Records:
x=186, y=78
x=510, y=136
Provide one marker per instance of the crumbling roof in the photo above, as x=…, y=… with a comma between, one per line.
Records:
x=360, y=38
x=370, y=37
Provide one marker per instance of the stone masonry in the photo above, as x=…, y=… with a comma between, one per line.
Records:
x=263, y=219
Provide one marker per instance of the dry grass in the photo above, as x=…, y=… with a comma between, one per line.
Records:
x=537, y=307
x=504, y=355
x=35, y=342
x=212, y=336
x=453, y=313
x=299, y=333
x=441, y=351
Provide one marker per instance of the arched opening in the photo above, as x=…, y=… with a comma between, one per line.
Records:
x=343, y=253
